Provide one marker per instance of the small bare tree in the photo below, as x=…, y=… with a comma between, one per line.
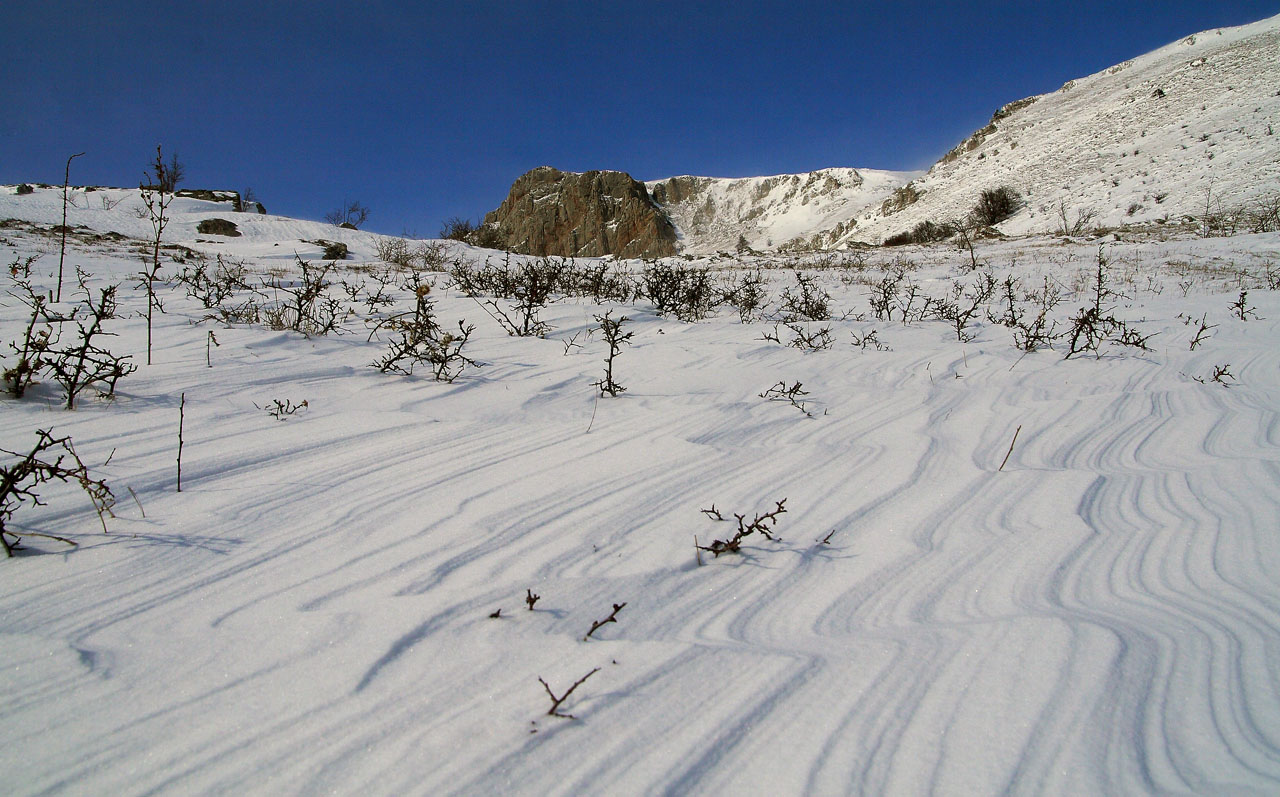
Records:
x=62, y=252
x=1079, y=226
x=351, y=214
x=615, y=337
x=154, y=193
x=37, y=337
x=165, y=179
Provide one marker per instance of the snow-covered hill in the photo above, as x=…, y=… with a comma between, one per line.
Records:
x=121, y=211
x=715, y=214
x=999, y=571
x=1148, y=140
x=1156, y=139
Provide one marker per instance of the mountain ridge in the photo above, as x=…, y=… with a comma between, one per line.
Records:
x=1165, y=137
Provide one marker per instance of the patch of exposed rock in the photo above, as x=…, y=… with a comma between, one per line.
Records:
x=587, y=214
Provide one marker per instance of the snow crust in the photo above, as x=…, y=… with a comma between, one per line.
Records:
x=1099, y=614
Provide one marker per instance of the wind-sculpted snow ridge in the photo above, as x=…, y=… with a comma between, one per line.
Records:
x=997, y=571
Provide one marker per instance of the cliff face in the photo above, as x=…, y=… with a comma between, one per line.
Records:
x=588, y=214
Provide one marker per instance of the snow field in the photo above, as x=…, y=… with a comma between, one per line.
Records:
x=312, y=612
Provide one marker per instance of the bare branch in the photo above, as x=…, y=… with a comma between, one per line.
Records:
x=554, y=711
x=612, y=618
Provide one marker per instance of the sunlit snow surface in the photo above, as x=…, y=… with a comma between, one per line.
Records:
x=311, y=614
x=1192, y=125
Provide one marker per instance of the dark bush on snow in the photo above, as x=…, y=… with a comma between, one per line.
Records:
x=457, y=229
x=995, y=205
x=923, y=233
x=218, y=227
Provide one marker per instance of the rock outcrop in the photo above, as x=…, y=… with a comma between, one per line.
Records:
x=588, y=214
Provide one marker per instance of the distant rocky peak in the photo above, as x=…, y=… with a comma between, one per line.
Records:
x=582, y=214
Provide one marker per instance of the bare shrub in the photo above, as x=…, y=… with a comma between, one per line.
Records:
x=612, y=618
x=965, y=303
x=792, y=394
x=1202, y=330
x=84, y=362
x=62, y=251
x=611, y=329
x=806, y=301
x=1096, y=324
x=763, y=523
x=213, y=285
x=165, y=177
x=307, y=306
x=1263, y=214
x=554, y=711
x=596, y=281
x=36, y=335
x=427, y=255
x=884, y=294
x=531, y=284
x=283, y=410
x=1240, y=307
x=923, y=233
x=685, y=292
x=49, y=459
x=1077, y=225
x=802, y=337
x=416, y=337
x=749, y=293
x=457, y=229
x=1220, y=375
x=373, y=291
x=869, y=340
x=1034, y=328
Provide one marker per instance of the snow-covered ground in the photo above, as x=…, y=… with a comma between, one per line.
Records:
x=1188, y=127
x=714, y=213
x=1099, y=614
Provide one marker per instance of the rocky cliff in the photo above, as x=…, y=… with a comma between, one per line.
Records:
x=588, y=214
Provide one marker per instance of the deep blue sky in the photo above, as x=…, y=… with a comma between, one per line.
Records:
x=428, y=110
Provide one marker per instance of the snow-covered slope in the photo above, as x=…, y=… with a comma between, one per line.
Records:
x=786, y=211
x=1144, y=141
x=998, y=572
x=121, y=210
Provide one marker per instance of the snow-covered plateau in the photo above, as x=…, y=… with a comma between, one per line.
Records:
x=998, y=570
